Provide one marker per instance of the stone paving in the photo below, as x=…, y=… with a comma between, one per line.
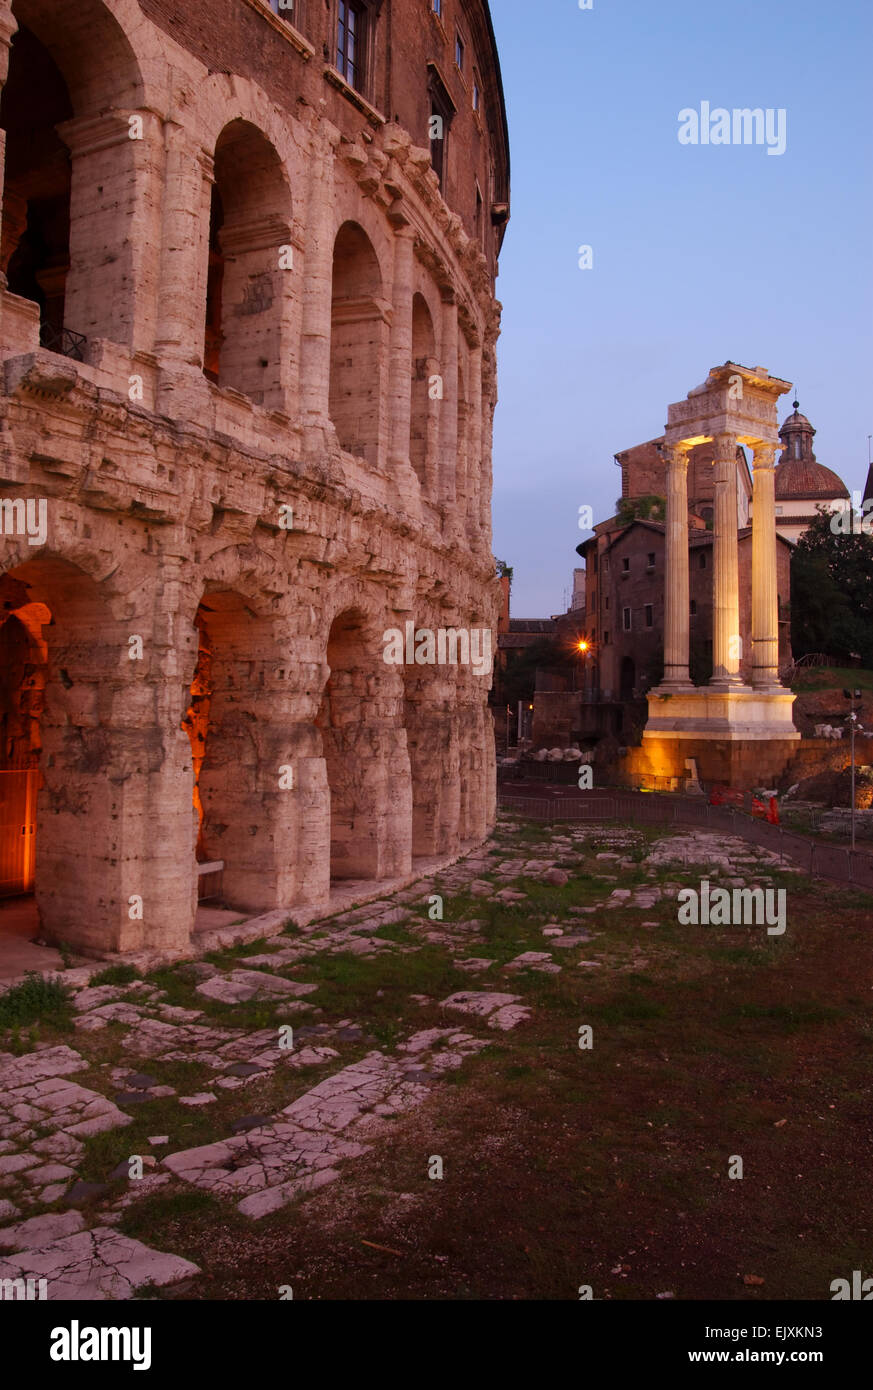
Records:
x=272, y=1164
x=263, y=1162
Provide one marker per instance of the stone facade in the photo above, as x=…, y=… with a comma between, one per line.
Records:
x=248, y=339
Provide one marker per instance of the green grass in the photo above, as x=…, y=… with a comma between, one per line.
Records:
x=116, y=975
x=832, y=677
x=36, y=999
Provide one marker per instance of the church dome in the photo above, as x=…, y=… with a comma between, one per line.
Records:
x=799, y=475
x=799, y=478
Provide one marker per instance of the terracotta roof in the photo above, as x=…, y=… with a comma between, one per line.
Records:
x=799, y=478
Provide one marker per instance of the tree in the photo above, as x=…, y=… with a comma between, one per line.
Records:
x=648, y=508
x=832, y=593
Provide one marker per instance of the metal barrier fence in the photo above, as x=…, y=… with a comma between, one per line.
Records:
x=836, y=862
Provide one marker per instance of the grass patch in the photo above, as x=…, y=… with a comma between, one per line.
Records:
x=116, y=975
x=141, y=1218
x=36, y=999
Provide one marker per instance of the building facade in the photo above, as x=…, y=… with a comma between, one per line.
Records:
x=248, y=336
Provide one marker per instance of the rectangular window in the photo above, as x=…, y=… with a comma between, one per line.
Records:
x=479, y=223
x=606, y=603
x=625, y=564
x=477, y=95
x=694, y=608
x=459, y=52
x=437, y=6
x=651, y=560
x=703, y=559
x=626, y=619
x=606, y=639
x=650, y=617
x=350, y=43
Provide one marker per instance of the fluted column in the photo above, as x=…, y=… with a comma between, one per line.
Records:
x=765, y=592
x=449, y=405
x=676, y=589
x=726, y=591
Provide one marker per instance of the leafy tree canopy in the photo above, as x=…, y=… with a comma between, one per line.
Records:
x=832, y=593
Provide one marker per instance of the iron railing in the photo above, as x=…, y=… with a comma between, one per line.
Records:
x=63, y=341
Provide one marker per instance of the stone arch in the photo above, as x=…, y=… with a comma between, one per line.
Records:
x=109, y=813
x=365, y=752
x=423, y=440
x=359, y=344
x=250, y=276
x=70, y=166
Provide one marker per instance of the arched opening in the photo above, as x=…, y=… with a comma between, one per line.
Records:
x=73, y=175
x=358, y=344
x=365, y=755
x=35, y=243
x=423, y=419
x=627, y=678
x=92, y=811
x=250, y=267
x=23, y=664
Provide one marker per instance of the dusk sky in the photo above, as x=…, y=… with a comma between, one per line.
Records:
x=702, y=254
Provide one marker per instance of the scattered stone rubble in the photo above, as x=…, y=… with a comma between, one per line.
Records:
x=265, y=1161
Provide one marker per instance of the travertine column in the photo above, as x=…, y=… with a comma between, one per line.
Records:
x=765, y=594
x=188, y=180
x=113, y=287
x=474, y=446
x=676, y=590
x=726, y=590
x=449, y=404
x=317, y=287
x=400, y=381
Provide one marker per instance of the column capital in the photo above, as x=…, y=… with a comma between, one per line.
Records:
x=675, y=455
x=764, y=455
x=725, y=447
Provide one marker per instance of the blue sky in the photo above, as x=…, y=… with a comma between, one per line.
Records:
x=701, y=254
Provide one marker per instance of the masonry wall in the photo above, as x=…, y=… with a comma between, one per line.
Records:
x=188, y=511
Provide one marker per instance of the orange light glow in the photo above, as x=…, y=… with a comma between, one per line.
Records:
x=584, y=646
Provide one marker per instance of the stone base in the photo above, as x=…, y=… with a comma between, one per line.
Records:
x=733, y=713
x=739, y=763
x=738, y=735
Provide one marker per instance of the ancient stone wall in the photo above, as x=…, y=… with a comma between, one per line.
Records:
x=260, y=430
